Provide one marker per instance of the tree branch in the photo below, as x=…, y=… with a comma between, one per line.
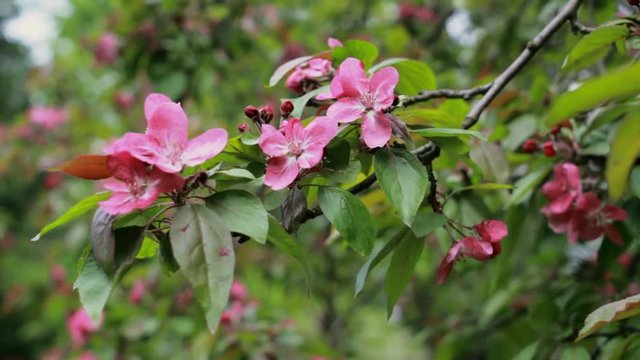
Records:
x=566, y=14
x=466, y=94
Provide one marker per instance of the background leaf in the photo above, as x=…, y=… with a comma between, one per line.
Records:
x=625, y=148
x=284, y=242
x=400, y=272
x=593, y=46
x=238, y=209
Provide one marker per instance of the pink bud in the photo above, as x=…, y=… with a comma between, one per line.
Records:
x=238, y=291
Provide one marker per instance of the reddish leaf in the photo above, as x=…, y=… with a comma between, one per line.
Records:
x=90, y=167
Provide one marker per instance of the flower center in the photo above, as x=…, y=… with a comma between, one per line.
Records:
x=173, y=152
x=137, y=187
x=368, y=100
x=295, y=148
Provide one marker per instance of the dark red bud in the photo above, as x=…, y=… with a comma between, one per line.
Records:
x=556, y=130
x=243, y=128
x=266, y=114
x=530, y=146
x=548, y=149
x=634, y=2
x=286, y=108
x=251, y=112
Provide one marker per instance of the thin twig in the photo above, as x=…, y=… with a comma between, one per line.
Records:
x=580, y=28
x=466, y=94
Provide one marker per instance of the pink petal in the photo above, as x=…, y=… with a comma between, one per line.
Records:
x=293, y=131
x=333, y=42
x=145, y=148
x=281, y=172
x=115, y=185
x=204, y=146
x=383, y=84
x=165, y=182
x=321, y=131
x=311, y=156
x=446, y=265
x=273, y=142
x=561, y=203
x=152, y=102
x=376, y=129
x=169, y=125
x=346, y=110
x=492, y=230
x=613, y=234
x=588, y=202
x=476, y=248
x=572, y=175
x=352, y=77
x=118, y=203
x=616, y=213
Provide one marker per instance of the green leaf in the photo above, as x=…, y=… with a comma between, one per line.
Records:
x=299, y=103
x=242, y=212
x=609, y=313
x=594, y=46
x=103, y=238
x=492, y=161
x=434, y=117
x=284, y=242
x=293, y=209
x=415, y=76
x=625, y=149
x=635, y=181
x=486, y=186
x=525, y=185
x=426, y=222
x=148, y=249
x=528, y=353
x=403, y=180
x=350, y=217
x=285, y=68
x=94, y=287
x=363, y=50
x=376, y=256
x=448, y=132
x=403, y=263
x=575, y=353
x=80, y=208
x=203, y=248
x=616, y=84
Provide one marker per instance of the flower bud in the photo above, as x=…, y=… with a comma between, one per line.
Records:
x=530, y=146
x=251, y=112
x=266, y=114
x=286, y=108
x=243, y=128
x=548, y=149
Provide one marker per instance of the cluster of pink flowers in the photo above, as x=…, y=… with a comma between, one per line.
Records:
x=484, y=246
x=80, y=327
x=145, y=165
x=579, y=214
x=312, y=71
x=49, y=118
x=238, y=306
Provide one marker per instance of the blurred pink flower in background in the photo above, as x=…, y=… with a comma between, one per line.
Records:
x=48, y=117
x=106, y=50
x=80, y=327
x=137, y=292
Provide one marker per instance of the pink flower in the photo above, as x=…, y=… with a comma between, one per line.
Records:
x=361, y=97
x=80, y=327
x=166, y=143
x=563, y=189
x=590, y=219
x=293, y=148
x=310, y=71
x=482, y=247
x=137, y=292
x=233, y=314
x=87, y=356
x=135, y=185
x=124, y=100
x=48, y=117
x=238, y=291
x=106, y=51
x=334, y=43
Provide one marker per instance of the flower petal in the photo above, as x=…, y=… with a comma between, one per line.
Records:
x=311, y=156
x=613, y=234
x=152, y=102
x=376, y=129
x=383, y=84
x=320, y=131
x=204, y=146
x=273, y=142
x=492, y=230
x=281, y=172
x=346, y=110
x=352, y=77
x=118, y=203
x=616, y=213
x=165, y=182
x=168, y=125
x=476, y=248
x=446, y=265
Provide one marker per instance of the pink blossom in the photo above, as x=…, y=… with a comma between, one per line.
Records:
x=563, y=189
x=294, y=147
x=48, y=117
x=80, y=327
x=361, y=97
x=137, y=292
x=135, y=185
x=124, y=100
x=166, y=143
x=310, y=71
x=334, y=43
x=106, y=50
x=590, y=219
x=233, y=314
x=87, y=356
x=482, y=247
x=238, y=291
